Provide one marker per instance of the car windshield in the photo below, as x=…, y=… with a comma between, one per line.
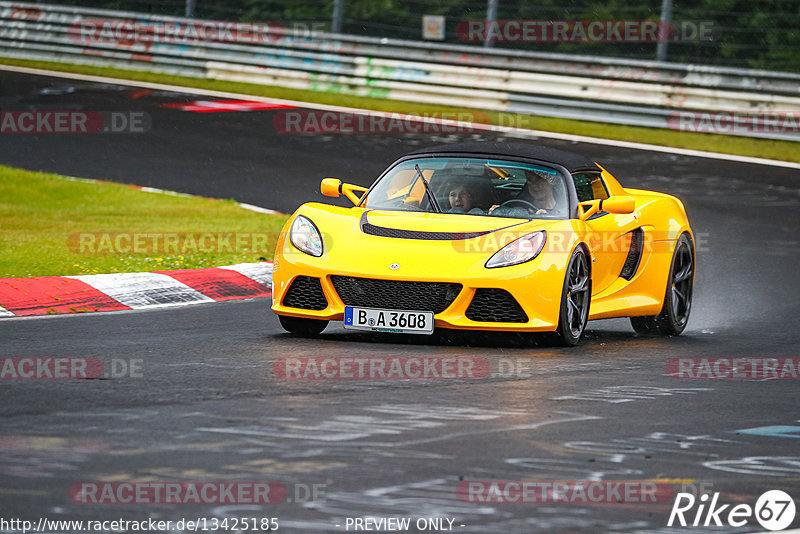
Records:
x=472, y=186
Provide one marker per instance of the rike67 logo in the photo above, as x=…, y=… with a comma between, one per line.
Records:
x=774, y=510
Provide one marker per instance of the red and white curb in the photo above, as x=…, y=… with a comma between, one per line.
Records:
x=223, y=106
x=131, y=291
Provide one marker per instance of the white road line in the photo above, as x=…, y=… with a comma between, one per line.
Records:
x=156, y=190
x=166, y=192
x=258, y=209
x=261, y=272
x=140, y=290
x=249, y=207
x=503, y=129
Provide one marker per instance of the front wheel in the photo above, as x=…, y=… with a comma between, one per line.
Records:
x=301, y=326
x=678, y=298
x=575, y=299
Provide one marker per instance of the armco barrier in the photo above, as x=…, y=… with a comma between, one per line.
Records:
x=580, y=87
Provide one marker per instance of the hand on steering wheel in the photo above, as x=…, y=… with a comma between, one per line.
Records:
x=529, y=205
x=525, y=204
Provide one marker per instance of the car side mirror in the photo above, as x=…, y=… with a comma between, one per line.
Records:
x=334, y=187
x=331, y=187
x=618, y=204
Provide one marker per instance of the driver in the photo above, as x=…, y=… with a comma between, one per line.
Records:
x=537, y=191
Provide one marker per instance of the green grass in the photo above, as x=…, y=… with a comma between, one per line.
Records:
x=45, y=217
x=763, y=148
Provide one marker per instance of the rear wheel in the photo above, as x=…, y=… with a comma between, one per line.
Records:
x=575, y=298
x=678, y=298
x=301, y=326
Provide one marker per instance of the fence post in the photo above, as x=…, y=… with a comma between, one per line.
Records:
x=491, y=15
x=663, y=33
x=338, y=15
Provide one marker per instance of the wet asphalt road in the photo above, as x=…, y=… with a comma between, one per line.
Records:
x=206, y=405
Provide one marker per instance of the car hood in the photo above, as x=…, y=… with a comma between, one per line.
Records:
x=427, y=246
x=414, y=225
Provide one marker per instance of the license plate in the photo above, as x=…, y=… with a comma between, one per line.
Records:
x=396, y=321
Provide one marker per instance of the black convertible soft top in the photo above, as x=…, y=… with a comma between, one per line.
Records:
x=573, y=162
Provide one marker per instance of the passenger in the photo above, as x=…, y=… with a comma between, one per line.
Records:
x=468, y=197
x=461, y=197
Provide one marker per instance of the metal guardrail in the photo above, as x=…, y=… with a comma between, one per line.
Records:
x=643, y=93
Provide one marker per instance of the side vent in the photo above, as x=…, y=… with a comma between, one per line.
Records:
x=634, y=255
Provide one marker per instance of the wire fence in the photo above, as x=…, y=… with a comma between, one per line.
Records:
x=761, y=34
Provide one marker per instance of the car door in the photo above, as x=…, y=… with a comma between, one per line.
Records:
x=608, y=235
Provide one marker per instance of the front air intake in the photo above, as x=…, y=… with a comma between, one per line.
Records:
x=305, y=293
x=495, y=306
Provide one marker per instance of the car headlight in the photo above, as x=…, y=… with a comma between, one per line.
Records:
x=305, y=236
x=518, y=251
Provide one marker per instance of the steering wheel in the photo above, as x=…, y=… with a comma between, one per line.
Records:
x=525, y=203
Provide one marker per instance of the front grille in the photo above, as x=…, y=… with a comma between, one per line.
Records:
x=306, y=293
x=495, y=306
x=395, y=294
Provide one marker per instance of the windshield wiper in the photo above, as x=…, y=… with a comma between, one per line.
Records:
x=428, y=192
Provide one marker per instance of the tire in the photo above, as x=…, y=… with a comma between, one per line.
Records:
x=575, y=299
x=674, y=314
x=302, y=327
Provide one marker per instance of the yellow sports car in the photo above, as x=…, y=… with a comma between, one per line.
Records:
x=486, y=236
